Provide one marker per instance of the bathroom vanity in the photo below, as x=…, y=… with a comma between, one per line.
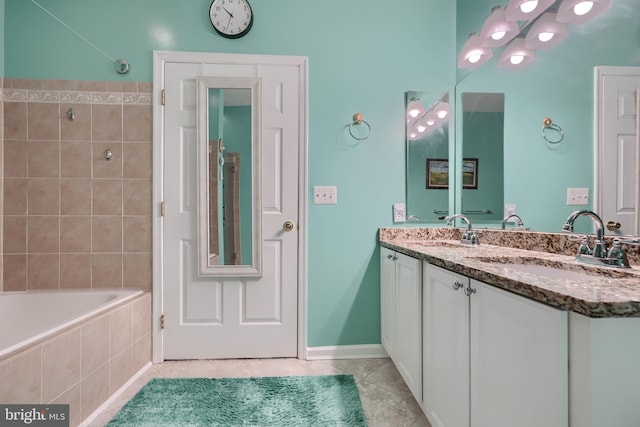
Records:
x=498, y=335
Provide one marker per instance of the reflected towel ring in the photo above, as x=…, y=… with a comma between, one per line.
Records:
x=358, y=120
x=547, y=123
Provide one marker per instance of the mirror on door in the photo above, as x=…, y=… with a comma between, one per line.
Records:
x=228, y=180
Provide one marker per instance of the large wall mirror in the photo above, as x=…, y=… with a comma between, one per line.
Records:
x=229, y=199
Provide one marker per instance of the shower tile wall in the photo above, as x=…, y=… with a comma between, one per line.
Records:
x=73, y=219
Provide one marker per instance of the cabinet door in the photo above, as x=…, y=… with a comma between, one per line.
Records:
x=519, y=361
x=388, y=300
x=445, y=348
x=408, y=357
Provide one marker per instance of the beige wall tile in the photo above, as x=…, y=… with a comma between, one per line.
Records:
x=137, y=197
x=60, y=364
x=75, y=159
x=15, y=158
x=107, y=233
x=122, y=86
x=103, y=168
x=137, y=271
x=20, y=379
x=15, y=234
x=137, y=123
x=106, y=123
x=95, y=344
x=15, y=196
x=75, y=234
x=43, y=234
x=43, y=196
x=59, y=85
x=71, y=397
x=43, y=271
x=137, y=234
x=14, y=273
x=95, y=390
x=44, y=159
x=91, y=86
x=106, y=271
x=141, y=317
x=121, y=368
x=145, y=87
x=75, y=271
x=137, y=162
x=15, y=120
x=27, y=83
x=120, y=327
x=44, y=121
x=78, y=129
x=107, y=197
x=75, y=196
x=141, y=352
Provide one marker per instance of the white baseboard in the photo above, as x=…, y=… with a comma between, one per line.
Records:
x=364, y=351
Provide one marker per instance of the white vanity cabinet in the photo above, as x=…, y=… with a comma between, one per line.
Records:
x=401, y=315
x=491, y=358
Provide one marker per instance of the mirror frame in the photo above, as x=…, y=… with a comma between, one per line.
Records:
x=203, y=84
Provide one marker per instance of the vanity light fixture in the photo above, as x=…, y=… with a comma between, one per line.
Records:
x=581, y=11
x=442, y=110
x=497, y=30
x=414, y=109
x=473, y=54
x=546, y=32
x=526, y=10
x=516, y=55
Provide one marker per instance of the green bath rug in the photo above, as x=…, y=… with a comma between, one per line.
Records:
x=317, y=401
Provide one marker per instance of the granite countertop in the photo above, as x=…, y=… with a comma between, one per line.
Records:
x=594, y=291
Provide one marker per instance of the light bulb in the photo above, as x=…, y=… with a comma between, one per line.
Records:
x=583, y=8
x=516, y=59
x=441, y=114
x=431, y=122
x=498, y=35
x=412, y=135
x=414, y=112
x=474, y=57
x=421, y=128
x=545, y=36
x=529, y=6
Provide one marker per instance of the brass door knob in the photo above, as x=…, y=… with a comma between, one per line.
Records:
x=611, y=226
x=288, y=226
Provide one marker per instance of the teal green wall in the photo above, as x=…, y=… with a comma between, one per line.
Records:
x=2, y=39
x=363, y=55
x=558, y=84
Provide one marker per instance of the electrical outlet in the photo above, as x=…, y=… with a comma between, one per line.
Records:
x=577, y=196
x=399, y=212
x=325, y=195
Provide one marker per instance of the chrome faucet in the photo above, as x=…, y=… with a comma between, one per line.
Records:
x=516, y=217
x=469, y=236
x=598, y=255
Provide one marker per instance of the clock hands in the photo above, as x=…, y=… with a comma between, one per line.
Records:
x=230, y=14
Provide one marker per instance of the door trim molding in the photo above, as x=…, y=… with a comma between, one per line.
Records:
x=159, y=59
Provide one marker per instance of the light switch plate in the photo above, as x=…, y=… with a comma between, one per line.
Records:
x=399, y=212
x=577, y=196
x=325, y=195
x=509, y=209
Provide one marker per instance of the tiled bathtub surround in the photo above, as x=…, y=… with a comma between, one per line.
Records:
x=613, y=293
x=84, y=365
x=71, y=218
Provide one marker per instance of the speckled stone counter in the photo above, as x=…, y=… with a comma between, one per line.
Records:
x=596, y=292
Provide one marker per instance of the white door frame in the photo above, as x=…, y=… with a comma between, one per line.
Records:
x=159, y=59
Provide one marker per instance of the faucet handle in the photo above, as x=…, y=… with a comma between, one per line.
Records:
x=584, y=248
x=599, y=249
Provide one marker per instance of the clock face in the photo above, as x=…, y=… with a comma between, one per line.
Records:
x=231, y=18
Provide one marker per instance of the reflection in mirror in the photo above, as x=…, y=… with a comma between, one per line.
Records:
x=483, y=156
x=427, y=142
x=228, y=179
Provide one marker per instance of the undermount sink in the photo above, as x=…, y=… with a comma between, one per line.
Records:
x=444, y=244
x=555, y=269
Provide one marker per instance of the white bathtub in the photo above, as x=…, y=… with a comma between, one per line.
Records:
x=35, y=316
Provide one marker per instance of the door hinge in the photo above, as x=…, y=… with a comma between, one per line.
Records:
x=163, y=208
x=162, y=321
x=164, y=96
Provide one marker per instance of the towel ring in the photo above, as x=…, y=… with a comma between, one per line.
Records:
x=358, y=119
x=547, y=123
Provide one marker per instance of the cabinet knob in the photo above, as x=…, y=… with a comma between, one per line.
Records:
x=468, y=290
x=456, y=285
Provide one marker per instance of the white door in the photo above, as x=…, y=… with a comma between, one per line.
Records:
x=207, y=317
x=617, y=140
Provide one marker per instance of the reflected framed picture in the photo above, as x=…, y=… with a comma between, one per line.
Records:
x=437, y=174
x=470, y=174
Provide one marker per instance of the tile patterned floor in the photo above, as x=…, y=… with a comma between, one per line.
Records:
x=386, y=400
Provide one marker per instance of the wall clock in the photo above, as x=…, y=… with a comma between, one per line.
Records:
x=231, y=18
